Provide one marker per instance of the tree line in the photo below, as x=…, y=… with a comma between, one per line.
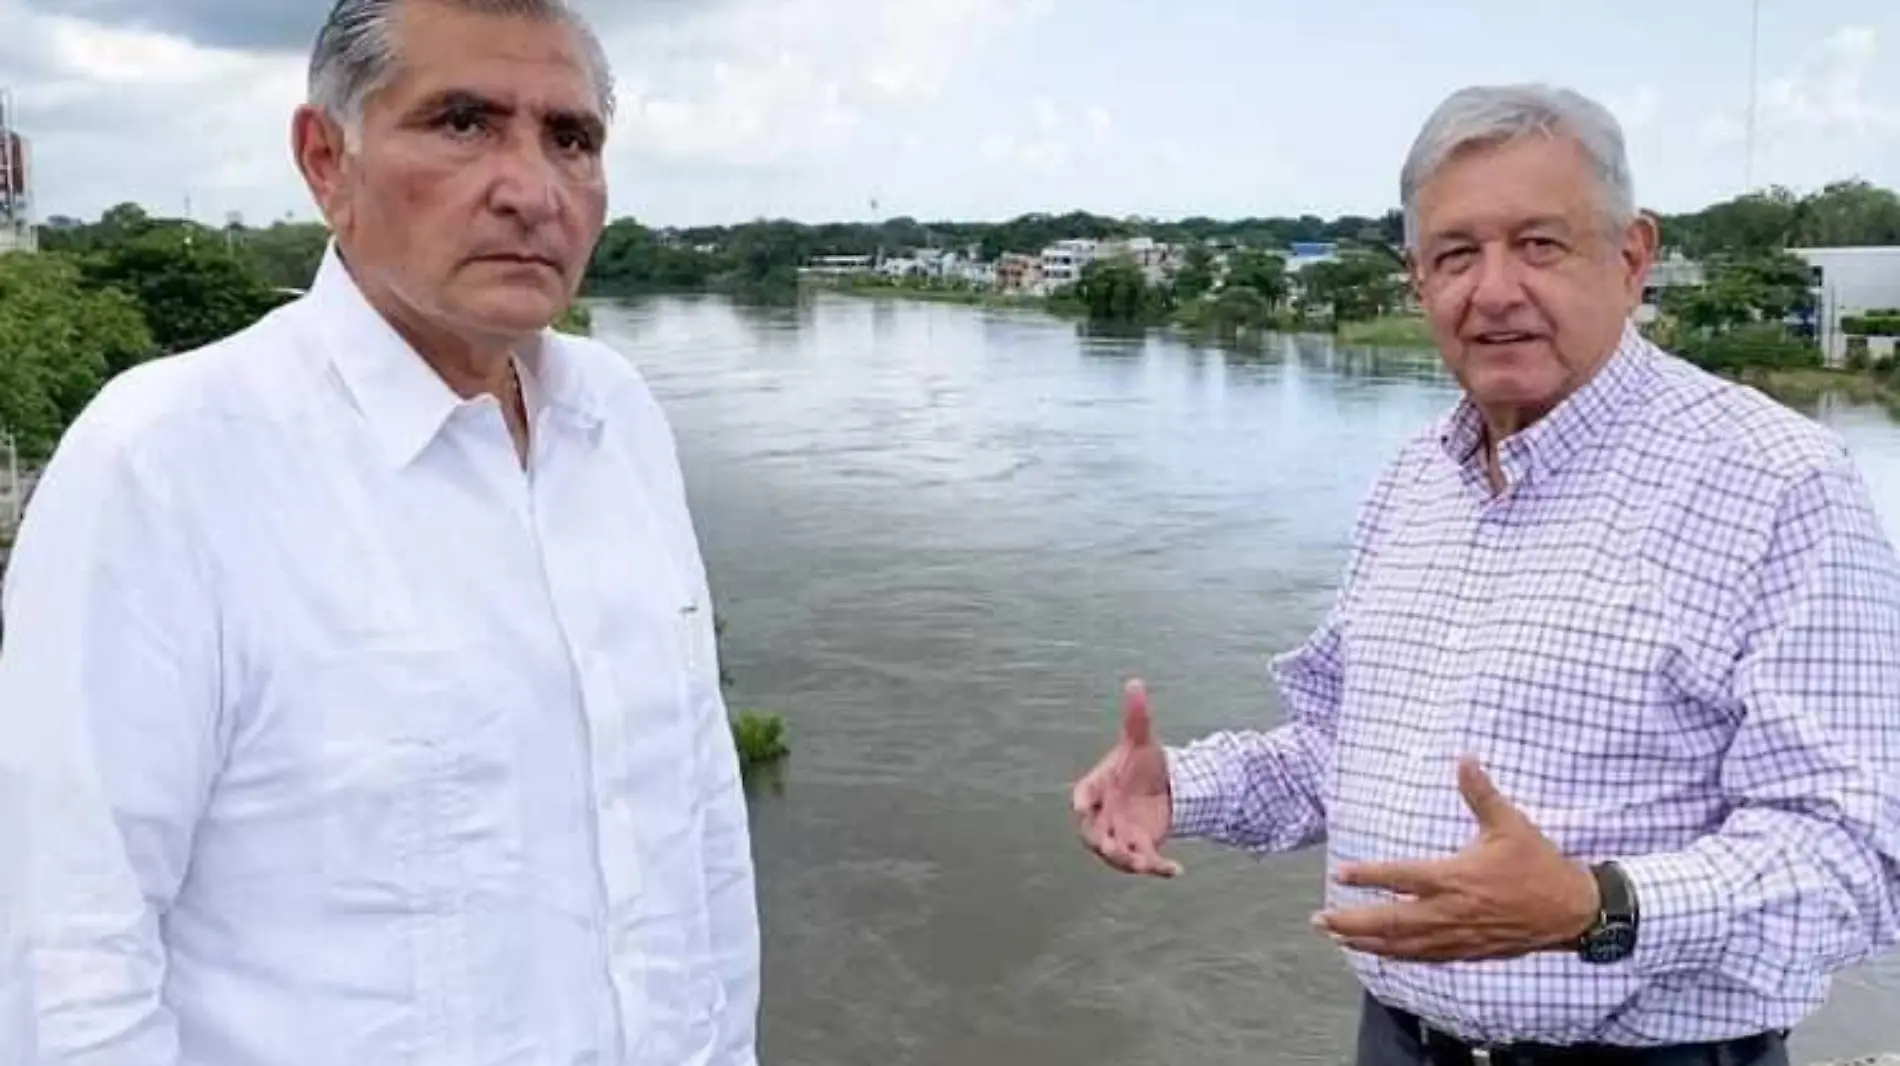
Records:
x=107, y=294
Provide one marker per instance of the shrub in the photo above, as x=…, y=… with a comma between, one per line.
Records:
x=760, y=738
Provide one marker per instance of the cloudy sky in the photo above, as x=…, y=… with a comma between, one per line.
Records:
x=813, y=109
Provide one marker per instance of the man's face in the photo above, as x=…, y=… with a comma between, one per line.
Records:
x=1525, y=290
x=476, y=193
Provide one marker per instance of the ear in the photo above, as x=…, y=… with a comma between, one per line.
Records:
x=321, y=152
x=1413, y=275
x=1640, y=241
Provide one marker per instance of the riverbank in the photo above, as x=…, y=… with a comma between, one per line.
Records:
x=943, y=294
x=1807, y=384
x=1391, y=331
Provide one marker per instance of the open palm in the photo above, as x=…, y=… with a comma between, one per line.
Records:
x=1123, y=806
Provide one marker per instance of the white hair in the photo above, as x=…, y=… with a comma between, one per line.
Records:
x=1493, y=114
x=357, y=52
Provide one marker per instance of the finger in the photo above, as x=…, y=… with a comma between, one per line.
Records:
x=1444, y=948
x=1149, y=860
x=1453, y=945
x=1491, y=808
x=1426, y=878
x=1086, y=797
x=1137, y=728
x=1383, y=921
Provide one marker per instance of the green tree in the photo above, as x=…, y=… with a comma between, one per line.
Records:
x=1354, y=287
x=1849, y=213
x=1195, y=277
x=1116, y=291
x=59, y=342
x=286, y=255
x=1262, y=272
x=190, y=287
x=1741, y=290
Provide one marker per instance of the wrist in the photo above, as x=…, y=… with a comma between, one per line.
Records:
x=1580, y=910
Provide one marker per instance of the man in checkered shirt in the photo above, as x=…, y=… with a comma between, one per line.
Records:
x=1603, y=728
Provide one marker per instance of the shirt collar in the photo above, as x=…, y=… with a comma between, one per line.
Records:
x=1543, y=447
x=403, y=400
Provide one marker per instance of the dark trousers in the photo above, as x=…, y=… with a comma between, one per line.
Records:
x=1388, y=1038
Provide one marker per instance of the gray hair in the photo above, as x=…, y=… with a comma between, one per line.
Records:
x=1493, y=114
x=357, y=52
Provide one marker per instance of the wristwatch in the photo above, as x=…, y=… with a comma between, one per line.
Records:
x=1612, y=937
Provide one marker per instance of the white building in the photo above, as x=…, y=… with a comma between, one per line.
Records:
x=1064, y=261
x=18, y=237
x=840, y=265
x=1847, y=282
x=1672, y=271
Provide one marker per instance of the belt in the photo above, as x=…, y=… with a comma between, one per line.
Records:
x=1443, y=1049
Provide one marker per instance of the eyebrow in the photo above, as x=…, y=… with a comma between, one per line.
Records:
x=1545, y=222
x=468, y=100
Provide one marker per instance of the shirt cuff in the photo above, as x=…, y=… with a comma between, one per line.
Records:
x=1683, y=920
x=1197, y=794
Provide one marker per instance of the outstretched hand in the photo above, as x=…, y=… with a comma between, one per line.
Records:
x=1123, y=807
x=1510, y=892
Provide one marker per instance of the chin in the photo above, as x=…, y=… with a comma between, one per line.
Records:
x=1513, y=390
x=516, y=310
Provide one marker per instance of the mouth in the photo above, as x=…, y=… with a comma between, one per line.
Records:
x=1499, y=337
x=521, y=260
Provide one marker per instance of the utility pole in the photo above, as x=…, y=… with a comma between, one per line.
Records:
x=1754, y=79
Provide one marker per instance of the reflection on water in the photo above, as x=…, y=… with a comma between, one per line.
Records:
x=940, y=537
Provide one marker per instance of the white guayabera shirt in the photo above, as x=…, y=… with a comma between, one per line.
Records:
x=353, y=742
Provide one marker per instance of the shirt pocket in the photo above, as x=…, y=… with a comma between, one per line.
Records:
x=1575, y=691
x=414, y=777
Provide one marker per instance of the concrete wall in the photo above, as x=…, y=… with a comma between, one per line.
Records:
x=1852, y=281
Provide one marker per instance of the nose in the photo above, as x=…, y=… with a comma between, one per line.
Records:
x=527, y=185
x=1498, y=289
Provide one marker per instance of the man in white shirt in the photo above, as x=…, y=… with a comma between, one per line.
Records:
x=364, y=661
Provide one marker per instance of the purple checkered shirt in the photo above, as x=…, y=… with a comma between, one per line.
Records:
x=1673, y=640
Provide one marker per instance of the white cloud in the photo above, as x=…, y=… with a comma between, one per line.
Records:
x=109, y=104
x=1826, y=97
x=1822, y=120
x=769, y=81
x=1831, y=95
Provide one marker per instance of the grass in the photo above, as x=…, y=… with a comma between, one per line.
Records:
x=760, y=738
x=1392, y=331
x=942, y=294
x=1806, y=384
x=577, y=319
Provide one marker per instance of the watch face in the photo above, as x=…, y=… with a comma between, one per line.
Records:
x=1613, y=941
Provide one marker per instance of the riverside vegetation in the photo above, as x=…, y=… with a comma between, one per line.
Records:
x=106, y=295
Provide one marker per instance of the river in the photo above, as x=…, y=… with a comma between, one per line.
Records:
x=940, y=538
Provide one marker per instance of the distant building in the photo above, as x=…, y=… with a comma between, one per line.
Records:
x=1064, y=261
x=16, y=184
x=1018, y=273
x=1849, y=282
x=1302, y=254
x=839, y=265
x=1673, y=271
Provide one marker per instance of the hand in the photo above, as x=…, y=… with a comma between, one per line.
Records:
x=1510, y=892
x=1123, y=808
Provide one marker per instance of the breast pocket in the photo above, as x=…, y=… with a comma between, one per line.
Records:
x=1576, y=681
x=413, y=774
